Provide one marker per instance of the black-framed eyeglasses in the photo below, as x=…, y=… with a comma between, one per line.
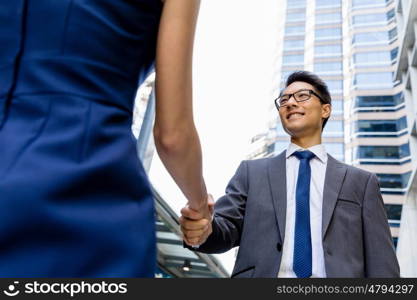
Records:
x=299, y=96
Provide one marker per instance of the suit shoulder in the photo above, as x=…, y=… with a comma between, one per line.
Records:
x=258, y=161
x=261, y=162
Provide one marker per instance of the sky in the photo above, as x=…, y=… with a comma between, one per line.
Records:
x=234, y=87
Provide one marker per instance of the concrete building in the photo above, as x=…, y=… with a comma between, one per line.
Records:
x=406, y=71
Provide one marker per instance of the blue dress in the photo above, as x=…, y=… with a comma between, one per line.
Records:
x=74, y=198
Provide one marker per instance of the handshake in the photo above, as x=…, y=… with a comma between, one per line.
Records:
x=196, y=224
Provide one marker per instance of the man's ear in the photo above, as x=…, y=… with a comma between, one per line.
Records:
x=326, y=110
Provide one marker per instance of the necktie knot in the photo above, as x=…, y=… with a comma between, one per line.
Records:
x=304, y=155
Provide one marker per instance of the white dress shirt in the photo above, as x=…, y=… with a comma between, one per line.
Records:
x=318, y=166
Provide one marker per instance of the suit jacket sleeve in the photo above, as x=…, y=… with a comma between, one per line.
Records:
x=229, y=213
x=380, y=258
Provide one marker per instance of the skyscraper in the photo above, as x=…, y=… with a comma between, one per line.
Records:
x=353, y=46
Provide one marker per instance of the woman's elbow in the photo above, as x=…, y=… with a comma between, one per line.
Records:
x=170, y=142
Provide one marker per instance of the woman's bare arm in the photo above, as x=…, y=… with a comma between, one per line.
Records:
x=176, y=137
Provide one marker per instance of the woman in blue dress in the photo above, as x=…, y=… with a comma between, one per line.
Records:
x=74, y=198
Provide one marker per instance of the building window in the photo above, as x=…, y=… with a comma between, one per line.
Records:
x=328, y=18
x=393, y=211
x=296, y=16
x=394, y=53
x=337, y=106
x=378, y=101
x=328, y=67
x=293, y=59
x=334, y=85
x=328, y=50
x=394, y=181
x=334, y=128
x=370, y=37
x=372, y=18
x=393, y=33
x=293, y=45
x=373, y=80
x=380, y=57
x=323, y=3
x=381, y=125
x=395, y=242
x=356, y=3
x=382, y=152
x=328, y=33
x=335, y=149
x=296, y=3
x=294, y=30
x=390, y=14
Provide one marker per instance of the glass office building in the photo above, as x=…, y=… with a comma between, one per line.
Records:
x=353, y=46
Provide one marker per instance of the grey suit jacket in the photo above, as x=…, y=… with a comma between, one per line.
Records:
x=356, y=237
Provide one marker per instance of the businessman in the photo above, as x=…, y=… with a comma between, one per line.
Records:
x=301, y=213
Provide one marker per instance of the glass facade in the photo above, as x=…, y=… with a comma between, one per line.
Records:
x=337, y=107
x=378, y=101
x=374, y=37
x=393, y=211
x=382, y=152
x=367, y=58
x=334, y=128
x=381, y=125
x=356, y=3
x=293, y=59
x=373, y=80
x=327, y=3
x=296, y=3
x=294, y=30
x=328, y=67
x=365, y=19
x=296, y=16
x=335, y=149
x=328, y=50
x=328, y=33
x=393, y=181
x=293, y=45
x=334, y=85
x=360, y=79
x=325, y=18
x=362, y=75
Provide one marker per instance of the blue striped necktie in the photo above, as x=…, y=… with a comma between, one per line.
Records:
x=302, y=263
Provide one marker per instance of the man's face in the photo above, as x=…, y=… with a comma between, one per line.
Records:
x=303, y=118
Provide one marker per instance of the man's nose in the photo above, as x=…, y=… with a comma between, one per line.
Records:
x=291, y=101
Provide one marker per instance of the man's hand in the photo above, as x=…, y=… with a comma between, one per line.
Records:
x=196, y=225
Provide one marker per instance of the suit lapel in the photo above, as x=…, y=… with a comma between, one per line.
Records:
x=278, y=184
x=335, y=173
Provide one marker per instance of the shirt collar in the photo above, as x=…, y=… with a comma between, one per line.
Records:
x=318, y=150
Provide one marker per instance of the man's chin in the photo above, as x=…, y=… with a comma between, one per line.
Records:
x=295, y=131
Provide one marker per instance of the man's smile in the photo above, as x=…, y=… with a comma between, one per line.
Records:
x=294, y=115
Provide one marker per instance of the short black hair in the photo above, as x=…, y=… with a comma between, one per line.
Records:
x=319, y=85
